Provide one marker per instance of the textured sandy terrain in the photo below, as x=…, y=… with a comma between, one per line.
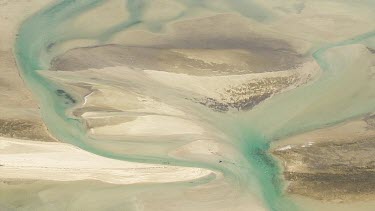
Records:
x=331, y=164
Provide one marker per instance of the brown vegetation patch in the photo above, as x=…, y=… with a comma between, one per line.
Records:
x=24, y=129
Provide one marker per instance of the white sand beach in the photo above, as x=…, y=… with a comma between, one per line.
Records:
x=33, y=160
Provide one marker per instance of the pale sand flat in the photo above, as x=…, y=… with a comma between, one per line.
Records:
x=153, y=125
x=64, y=162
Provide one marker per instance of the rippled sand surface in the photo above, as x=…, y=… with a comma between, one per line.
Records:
x=195, y=105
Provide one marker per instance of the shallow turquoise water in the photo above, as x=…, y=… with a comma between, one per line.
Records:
x=253, y=131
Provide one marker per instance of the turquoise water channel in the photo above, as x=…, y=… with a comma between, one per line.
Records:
x=326, y=101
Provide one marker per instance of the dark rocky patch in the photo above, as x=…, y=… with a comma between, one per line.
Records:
x=213, y=104
x=245, y=96
x=24, y=129
x=370, y=120
x=332, y=171
x=371, y=50
x=333, y=187
x=68, y=97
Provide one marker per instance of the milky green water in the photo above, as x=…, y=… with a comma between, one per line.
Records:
x=326, y=101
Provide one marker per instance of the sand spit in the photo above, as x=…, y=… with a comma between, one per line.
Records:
x=331, y=164
x=31, y=160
